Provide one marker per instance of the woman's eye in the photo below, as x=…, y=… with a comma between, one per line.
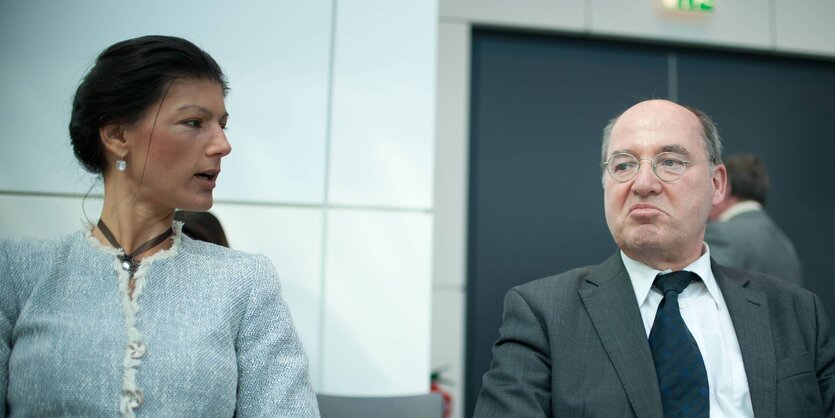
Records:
x=194, y=123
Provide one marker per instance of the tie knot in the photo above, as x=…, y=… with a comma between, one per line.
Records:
x=676, y=281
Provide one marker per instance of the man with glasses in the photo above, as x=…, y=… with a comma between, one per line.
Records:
x=658, y=329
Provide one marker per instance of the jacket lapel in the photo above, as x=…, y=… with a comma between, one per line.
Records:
x=749, y=313
x=611, y=305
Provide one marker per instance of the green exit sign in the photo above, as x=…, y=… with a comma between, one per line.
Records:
x=690, y=5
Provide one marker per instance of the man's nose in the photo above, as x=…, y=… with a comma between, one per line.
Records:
x=645, y=181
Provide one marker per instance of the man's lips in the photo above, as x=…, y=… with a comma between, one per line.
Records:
x=643, y=209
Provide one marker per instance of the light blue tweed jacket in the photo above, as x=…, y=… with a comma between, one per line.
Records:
x=206, y=334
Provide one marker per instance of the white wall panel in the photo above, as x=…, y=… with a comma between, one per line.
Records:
x=449, y=234
x=45, y=217
x=292, y=239
x=448, y=342
x=806, y=26
x=744, y=23
x=41, y=63
x=275, y=55
x=451, y=154
x=383, y=103
x=377, y=303
x=548, y=14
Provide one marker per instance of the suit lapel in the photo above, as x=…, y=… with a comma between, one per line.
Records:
x=611, y=305
x=749, y=313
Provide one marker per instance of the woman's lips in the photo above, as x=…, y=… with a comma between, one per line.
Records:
x=207, y=179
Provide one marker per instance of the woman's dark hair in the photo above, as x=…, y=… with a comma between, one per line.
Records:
x=126, y=79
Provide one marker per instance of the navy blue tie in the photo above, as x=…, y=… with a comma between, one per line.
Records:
x=678, y=362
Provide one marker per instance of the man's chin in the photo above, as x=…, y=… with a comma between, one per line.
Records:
x=643, y=232
x=644, y=241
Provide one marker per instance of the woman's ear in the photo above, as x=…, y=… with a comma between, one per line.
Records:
x=113, y=138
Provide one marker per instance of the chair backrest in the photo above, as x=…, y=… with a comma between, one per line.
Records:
x=418, y=406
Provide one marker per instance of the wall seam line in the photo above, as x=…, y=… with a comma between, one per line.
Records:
x=325, y=198
x=672, y=76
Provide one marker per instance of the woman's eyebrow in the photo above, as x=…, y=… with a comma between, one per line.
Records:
x=201, y=109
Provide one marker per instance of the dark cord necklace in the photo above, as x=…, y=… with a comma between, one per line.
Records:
x=128, y=262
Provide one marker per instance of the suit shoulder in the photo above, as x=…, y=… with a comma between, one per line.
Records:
x=563, y=282
x=774, y=287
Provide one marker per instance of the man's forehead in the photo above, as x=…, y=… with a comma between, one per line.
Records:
x=657, y=114
x=657, y=106
x=656, y=125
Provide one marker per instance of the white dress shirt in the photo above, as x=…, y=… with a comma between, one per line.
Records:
x=706, y=315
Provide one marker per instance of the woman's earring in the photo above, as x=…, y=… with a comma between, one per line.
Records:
x=121, y=164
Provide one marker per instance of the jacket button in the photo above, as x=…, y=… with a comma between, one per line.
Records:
x=137, y=349
x=134, y=398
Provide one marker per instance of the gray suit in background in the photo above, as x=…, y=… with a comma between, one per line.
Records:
x=573, y=345
x=752, y=241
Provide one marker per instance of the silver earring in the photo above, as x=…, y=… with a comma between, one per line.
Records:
x=121, y=164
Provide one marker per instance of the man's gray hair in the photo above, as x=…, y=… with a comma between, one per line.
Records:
x=710, y=135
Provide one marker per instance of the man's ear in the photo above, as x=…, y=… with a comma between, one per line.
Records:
x=113, y=138
x=720, y=183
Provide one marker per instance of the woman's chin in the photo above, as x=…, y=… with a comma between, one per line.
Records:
x=198, y=206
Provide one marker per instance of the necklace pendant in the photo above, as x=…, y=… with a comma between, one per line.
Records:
x=126, y=264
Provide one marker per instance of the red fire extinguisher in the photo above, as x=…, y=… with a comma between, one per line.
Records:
x=435, y=387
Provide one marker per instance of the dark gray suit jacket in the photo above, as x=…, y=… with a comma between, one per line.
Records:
x=573, y=345
x=752, y=241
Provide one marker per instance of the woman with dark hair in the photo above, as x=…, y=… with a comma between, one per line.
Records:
x=130, y=315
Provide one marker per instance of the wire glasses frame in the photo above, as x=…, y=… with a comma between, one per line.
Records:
x=667, y=166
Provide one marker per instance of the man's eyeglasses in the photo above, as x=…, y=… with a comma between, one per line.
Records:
x=667, y=166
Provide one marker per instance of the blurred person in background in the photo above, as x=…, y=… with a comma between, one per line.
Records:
x=741, y=234
x=202, y=226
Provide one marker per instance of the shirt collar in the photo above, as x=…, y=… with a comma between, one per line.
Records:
x=643, y=275
x=739, y=208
